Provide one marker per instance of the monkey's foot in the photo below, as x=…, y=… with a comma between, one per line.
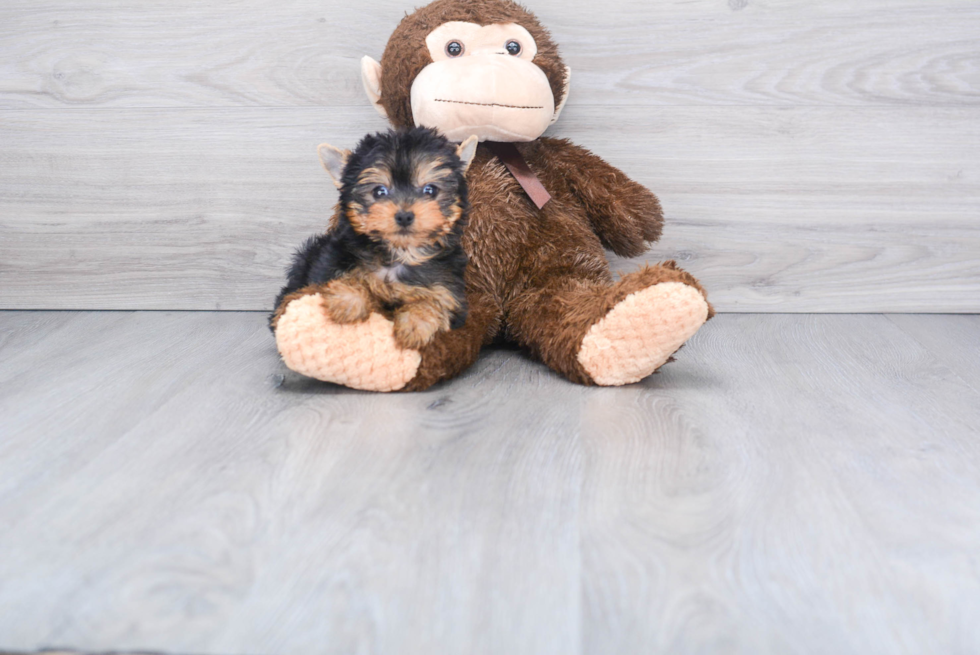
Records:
x=640, y=333
x=358, y=355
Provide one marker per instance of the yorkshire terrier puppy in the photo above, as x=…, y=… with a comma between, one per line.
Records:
x=394, y=244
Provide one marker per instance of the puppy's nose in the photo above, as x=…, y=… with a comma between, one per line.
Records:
x=404, y=218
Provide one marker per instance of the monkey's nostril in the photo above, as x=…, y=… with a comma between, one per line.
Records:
x=404, y=218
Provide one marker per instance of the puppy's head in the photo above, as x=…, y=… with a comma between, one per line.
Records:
x=405, y=189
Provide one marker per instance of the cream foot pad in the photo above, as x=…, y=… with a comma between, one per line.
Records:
x=641, y=332
x=358, y=355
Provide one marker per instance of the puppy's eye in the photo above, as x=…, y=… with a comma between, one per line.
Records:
x=430, y=190
x=454, y=48
x=380, y=191
x=513, y=48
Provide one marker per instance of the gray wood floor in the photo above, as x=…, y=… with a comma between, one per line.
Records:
x=791, y=484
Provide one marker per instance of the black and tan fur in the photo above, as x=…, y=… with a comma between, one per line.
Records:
x=395, y=243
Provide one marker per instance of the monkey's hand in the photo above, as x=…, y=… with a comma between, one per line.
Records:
x=624, y=214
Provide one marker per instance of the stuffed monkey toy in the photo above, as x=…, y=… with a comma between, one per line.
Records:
x=543, y=210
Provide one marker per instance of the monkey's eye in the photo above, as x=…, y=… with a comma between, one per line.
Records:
x=380, y=191
x=454, y=48
x=430, y=190
x=513, y=48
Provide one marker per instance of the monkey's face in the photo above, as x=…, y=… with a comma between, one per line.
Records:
x=482, y=80
x=497, y=78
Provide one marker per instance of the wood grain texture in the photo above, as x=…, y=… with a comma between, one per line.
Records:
x=269, y=516
x=790, y=484
x=810, y=157
x=299, y=52
x=934, y=335
x=810, y=486
x=775, y=209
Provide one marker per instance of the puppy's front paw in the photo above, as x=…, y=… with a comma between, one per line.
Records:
x=346, y=302
x=416, y=324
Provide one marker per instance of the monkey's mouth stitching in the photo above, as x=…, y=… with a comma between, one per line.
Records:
x=486, y=104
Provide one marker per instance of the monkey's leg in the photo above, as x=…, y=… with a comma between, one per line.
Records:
x=452, y=352
x=357, y=355
x=285, y=299
x=596, y=333
x=365, y=355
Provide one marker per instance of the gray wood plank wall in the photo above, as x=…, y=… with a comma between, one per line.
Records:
x=811, y=157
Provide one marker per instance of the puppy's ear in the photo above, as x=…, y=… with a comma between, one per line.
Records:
x=371, y=79
x=334, y=160
x=466, y=151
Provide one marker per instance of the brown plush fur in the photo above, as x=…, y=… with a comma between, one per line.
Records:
x=541, y=277
x=536, y=277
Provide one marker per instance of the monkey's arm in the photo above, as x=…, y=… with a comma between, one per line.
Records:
x=624, y=214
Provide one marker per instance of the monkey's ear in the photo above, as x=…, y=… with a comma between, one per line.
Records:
x=561, y=105
x=467, y=150
x=334, y=160
x=371, y=79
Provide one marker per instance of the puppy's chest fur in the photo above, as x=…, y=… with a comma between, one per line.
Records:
x=442, y=267
x=388, y=274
